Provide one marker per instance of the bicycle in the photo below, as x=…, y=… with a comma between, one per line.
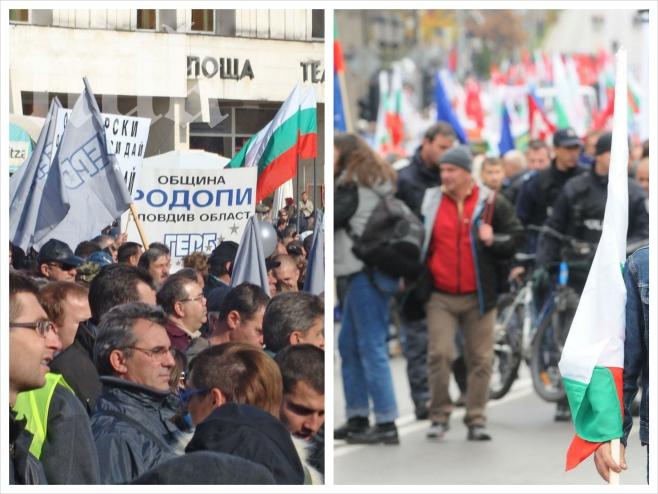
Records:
x=513, y=330
x=555, y=320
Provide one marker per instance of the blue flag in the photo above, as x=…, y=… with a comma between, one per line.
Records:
x=444, y=110
x=339, y=112
x=314, y=281
x=26, y=185
x=506, y=142
x=85, y=190
x=249, y=265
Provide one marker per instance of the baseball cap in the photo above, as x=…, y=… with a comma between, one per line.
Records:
x=101, y=258
x=566, y=138
x=57, y=251
x=603, y=144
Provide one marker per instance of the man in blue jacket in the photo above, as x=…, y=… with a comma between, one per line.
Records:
x=636, y=360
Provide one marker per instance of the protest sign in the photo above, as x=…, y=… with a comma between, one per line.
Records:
x=193, y=209
x=126, y=138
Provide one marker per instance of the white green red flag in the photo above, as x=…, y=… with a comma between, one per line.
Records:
x=276, y=148
x=593, y=356
x=390, y=129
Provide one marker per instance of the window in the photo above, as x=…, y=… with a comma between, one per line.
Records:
x=19, y=15
x=317, y=23
x=225, y=22
x=237, y=125
x=203, y=20
x=146, y=19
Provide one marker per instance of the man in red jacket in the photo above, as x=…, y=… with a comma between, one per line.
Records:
x=468, y=229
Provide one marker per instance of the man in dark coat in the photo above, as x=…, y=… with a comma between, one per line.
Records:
x=132, y=420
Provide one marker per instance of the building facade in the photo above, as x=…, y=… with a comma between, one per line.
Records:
x=207, y=79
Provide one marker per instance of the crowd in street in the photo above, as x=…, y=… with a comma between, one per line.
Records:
x=121, y=371
x=478, y=212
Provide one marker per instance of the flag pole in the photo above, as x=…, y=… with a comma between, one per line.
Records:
x=315, y=204
x=138, y=224
x=615, y=449
x=296, y=200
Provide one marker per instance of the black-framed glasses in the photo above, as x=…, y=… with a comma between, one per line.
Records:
x=157, y=352
x=187, y=394
x=41, y=327
x=195, y=299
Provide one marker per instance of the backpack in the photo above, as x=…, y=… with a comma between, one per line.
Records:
x=392, y=239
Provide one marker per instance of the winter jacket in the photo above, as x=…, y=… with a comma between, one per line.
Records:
x=206, y=467
x=508, y=236
x=345, y=262
x=579, y=209
x=67, y=450
x=636, y=344
x=133, y=429
x=77, y=366
x=253, y=434
x=414, y=179
x=24, y=468
x=535, y=201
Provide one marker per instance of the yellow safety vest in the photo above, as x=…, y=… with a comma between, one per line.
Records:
x=34, y=405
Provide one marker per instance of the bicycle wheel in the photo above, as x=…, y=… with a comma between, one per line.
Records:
x=507, y=348
x=545, y=356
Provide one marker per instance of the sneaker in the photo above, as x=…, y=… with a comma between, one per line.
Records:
x=478, y=433
x=437, y=430
x=562, y=413
x=381, y=433
x=354, y=424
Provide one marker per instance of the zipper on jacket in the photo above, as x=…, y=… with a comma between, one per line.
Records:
x=460, y=211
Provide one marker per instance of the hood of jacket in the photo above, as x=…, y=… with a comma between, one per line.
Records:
x=253, y=434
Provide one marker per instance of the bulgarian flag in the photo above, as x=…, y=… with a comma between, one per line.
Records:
x=593, y=356
x=277, y=147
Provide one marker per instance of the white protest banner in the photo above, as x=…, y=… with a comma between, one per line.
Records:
x=193, y=210
x=126, y=138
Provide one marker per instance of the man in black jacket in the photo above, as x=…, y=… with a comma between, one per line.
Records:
x=580, y=207
x=115, y=284
x=29, y=356
x=132, y=420
x=537, y=196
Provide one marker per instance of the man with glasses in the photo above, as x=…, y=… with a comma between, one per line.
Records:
x=29, y=356
x=132, y=421
x=182, y=300
x=57, y=262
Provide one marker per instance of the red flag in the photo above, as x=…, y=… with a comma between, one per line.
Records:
x=540, y=126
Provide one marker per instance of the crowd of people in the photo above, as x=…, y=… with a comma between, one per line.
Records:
x=478, y=212
x=124, y=372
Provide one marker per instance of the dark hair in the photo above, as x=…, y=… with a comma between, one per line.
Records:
x=173, y=290
x=537, y=144
x=115, y=284
x=288, y=312
x=290, y=230
x=116, y=331
x=440, y=128
x=19, y=283
x=127, y=250
x=161, y=246
x=86, y=247
x=243, y=373
x=53, y=295
x=358, y=162
x=246, y=299
x=152, y=254
x=301, y=363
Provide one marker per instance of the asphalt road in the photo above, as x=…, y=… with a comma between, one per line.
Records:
x=528, y=447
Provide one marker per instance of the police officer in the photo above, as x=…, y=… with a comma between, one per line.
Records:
x=579, y=209
x=537, y=195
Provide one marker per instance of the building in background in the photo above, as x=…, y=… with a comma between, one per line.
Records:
x=208, y=79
